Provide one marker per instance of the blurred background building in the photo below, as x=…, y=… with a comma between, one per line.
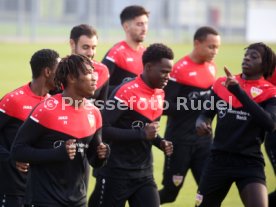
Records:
x=170, y=20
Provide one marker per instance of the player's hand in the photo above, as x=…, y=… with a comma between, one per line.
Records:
x=231, y=80
x=167, y=147
x=22, y=166
x=203, y=128
x=71, y=148
x=102, y=151
x=152, y=130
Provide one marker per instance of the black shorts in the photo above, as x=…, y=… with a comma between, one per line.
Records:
x=139, y=192
x=11, y=200
x=185, y=157
x=221, y=171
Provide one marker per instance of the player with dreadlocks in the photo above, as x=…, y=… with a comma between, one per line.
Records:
x=246, y=111
x=58, y=138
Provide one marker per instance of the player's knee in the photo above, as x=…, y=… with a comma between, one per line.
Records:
x=168, y=195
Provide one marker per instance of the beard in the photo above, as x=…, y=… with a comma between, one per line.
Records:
x=138, y=38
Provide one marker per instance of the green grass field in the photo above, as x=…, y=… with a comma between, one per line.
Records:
x=15, y=71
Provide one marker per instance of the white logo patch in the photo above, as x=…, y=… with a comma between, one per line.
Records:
x=255, y=91
x=129, y=59
x=177, y=180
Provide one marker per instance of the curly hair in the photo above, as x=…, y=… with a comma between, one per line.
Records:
x=268, y=58
x=155, y=52
x=42, y=59
x=71, y=65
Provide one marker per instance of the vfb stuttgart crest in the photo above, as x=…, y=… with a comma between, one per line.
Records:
x=177, y=180
x=91, y=119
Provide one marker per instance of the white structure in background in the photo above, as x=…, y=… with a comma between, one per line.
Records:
x=261, y=21
x=171, y=21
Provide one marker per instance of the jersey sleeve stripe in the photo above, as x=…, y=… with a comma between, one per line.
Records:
x=109, y=58
x=36, y=120
x=172, y=79
x=118, y=99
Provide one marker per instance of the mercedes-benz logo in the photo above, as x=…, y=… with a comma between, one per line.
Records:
x=222, y=113
x=126, y=79
x=58, y=143
x=137, y=125
x=193, y=95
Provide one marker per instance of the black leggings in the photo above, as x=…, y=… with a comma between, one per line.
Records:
x=139, y=192
x=270, y=147
x=11, y=201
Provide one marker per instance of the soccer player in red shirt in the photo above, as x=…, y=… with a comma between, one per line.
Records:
x=60, y=135
x=245, y=105
x=15, y=107
x=124, y=59
x=190, y=82
x=131, y=126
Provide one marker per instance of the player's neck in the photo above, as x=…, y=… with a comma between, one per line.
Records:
x=251, y=77
x=133, y=45
x=195, y=58
x=71, y=98
x=38, y=88
x=146, y=81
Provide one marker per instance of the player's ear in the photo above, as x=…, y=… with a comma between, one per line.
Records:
x=147, y=67
x=125, y=25
x=71, y=79
x=47, y=72
x=72, y=44
x=196, y=43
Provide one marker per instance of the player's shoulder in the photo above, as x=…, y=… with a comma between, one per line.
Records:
x=116, y=51
x=183, y=62
x=49, y=105
x=180, y=68
x=126, y=89
x=100, y=67
x=16, y=95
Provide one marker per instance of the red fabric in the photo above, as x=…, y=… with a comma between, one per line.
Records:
x=54, y=114
x=258, y=90
x=20, y=102
x=272, y=79
x=186, y=72
x=141, y=98
x=126, y=58
x=102, y=73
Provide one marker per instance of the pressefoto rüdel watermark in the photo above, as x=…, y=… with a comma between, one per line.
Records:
x=182, y=103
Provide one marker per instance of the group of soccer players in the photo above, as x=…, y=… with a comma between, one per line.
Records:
x=48, y=143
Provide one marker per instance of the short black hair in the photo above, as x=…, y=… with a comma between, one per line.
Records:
x=202, y=33
x=131, y=12
x=155, y=52
x=41, y=59
x=268, y=58
x=71, y=65
x=82, y=29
